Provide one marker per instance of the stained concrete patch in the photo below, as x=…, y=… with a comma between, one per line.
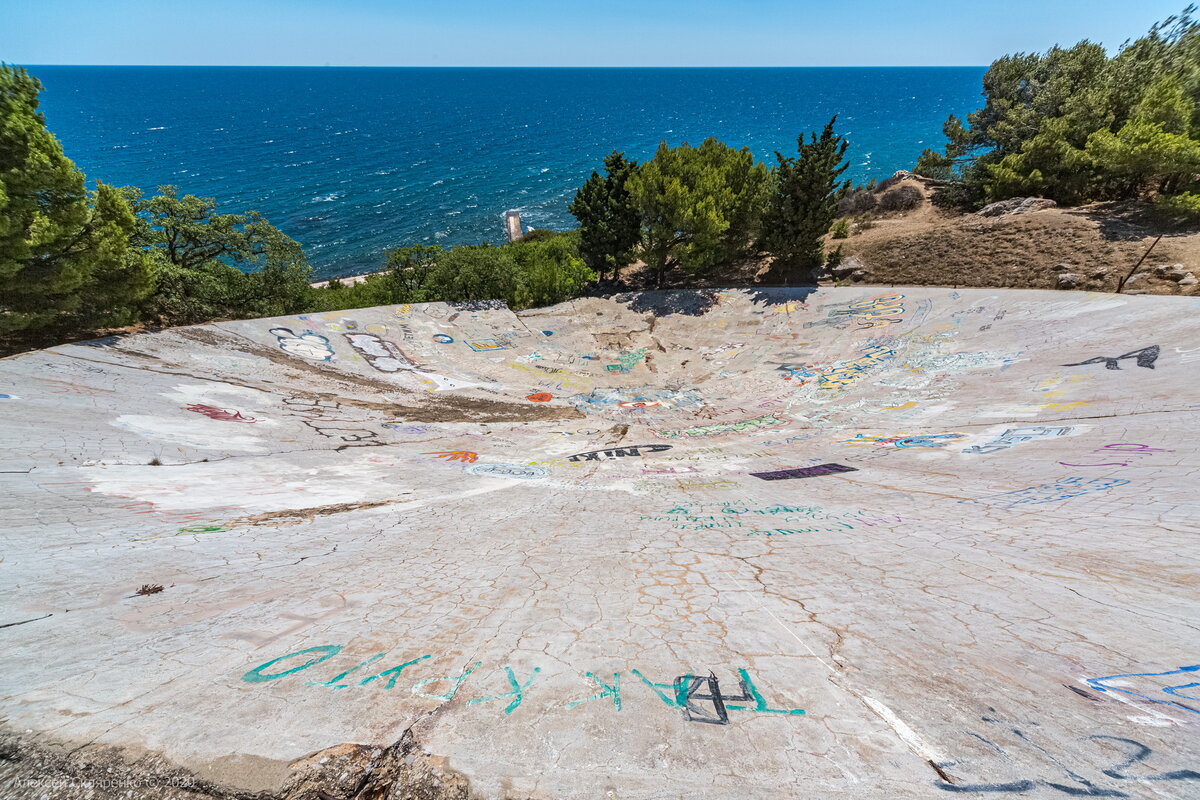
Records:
x=836, y=544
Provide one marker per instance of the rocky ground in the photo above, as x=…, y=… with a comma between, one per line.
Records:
x=1026, y=243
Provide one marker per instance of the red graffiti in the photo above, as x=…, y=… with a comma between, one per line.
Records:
x=223, y=414
x=539, y=397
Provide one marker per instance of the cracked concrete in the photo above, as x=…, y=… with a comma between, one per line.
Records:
x=581, y=552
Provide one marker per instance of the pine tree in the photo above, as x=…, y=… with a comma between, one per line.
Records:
x=65, y=256
x=804, y=206
x=609, y=224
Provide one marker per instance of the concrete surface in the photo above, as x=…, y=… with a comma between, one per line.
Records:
x=597, y=551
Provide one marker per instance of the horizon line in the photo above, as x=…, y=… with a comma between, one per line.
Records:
x=514, y=66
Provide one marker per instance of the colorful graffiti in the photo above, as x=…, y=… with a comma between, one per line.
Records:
x=886, y=309
x=488, y=345
x=223, y=414
x=1014, y=436
x=639, y=402
x=539, y=397
x=849, y=372
x=312, y=346
x=903, y=439
x=627, y=361
x=1118, y=681
x=721, y=429
x=443, y=338
x=684, y=693
x=465, y=456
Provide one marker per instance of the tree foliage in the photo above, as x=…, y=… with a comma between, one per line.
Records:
x=609, y=224
x=65, y=254
x=1075, y=125
x=217, y=266
x=804, y=205
x=699, y=206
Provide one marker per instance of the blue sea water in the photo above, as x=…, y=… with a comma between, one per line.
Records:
x=354, y=161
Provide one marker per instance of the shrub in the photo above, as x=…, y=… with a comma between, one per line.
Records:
x=857, y=202
x=538, y=235
x=1186, y=204
x=840, y=229
x=902, y=198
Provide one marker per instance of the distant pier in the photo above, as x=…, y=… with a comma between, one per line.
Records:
x=512, y=225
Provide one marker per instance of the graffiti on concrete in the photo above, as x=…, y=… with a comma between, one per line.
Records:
x=635, y=402
x=689, y=693
x=523, y=471
x=312, y=346
x=1063, y=489
x=903, y=439
x=324, y=417
x=721, y=429
x=627, y=361
x=539, y=397
x=223, y=414
x=1115, y=683
x=847, y=373
x=887, y=309
x=488, y=345
x=1144, y=358
x=466, y=456
x=1124, y=451
x=803, y=472
x=1014, y=436
x=1112, y=757
x=619, y=452
x=379, y=353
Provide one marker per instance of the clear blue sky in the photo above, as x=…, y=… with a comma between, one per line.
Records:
x=558, y=32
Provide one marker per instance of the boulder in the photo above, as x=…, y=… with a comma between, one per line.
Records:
x=1016, y=205
x=1172, y=272
x=858, y=275
x=1135, y=277
x=1189, y=280
x=1067, y=280
x=846, y=267
x=1061, y=268
x=1099, y=274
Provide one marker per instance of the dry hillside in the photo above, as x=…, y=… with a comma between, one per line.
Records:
x=1093, y=246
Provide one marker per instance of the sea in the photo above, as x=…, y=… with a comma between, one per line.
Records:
x=352, y=162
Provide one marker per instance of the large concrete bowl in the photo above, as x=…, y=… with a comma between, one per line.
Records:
x=846, y=543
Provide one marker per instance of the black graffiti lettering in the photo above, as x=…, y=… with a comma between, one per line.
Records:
x=1144, y=358
x=619, y=452
x=1140, y=752
x=694, y=713
x=803, y=472
x=1015, y=787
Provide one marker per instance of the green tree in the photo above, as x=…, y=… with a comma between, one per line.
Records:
x=804, y=205
x=215, y=266
x=699, y=206
x=65, y=254
x=1076, y=125
x=408, y=272
x=609, y=224
x=548, y=272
